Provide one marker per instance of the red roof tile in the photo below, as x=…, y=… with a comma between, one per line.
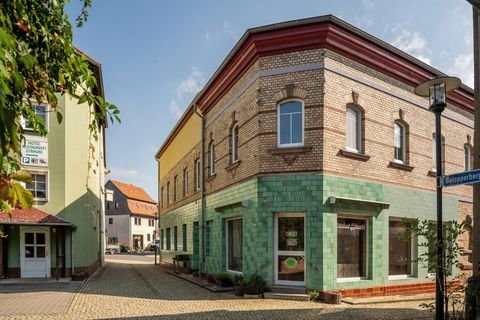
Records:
x=139, y=207
x=133, y=192
x=31, y=216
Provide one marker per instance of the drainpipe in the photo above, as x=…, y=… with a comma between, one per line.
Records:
x=202, y=190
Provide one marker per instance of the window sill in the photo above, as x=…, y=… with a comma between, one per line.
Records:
x=432, y=173
x=342, y=280
x=210, y=178
x=400, y=166
x=401, y=277
x=233, y=165
x=353, y=155
x=290, y=150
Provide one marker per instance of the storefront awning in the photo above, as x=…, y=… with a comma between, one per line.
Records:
x=32, y=216
x=337, y=201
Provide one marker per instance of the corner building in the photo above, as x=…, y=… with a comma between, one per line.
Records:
x=302, y=155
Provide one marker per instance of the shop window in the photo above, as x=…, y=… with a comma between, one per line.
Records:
x=290, y=123
x=184, y=237
x=175, y=238
x=400, y=249
x=168, y=239
x=351, y=248
x=234, y=237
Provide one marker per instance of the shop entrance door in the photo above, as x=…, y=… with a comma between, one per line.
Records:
x=289, y=249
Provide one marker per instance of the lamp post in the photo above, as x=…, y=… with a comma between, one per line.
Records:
x=436, y=89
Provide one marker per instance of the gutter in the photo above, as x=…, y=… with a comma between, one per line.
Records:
x=202, y=190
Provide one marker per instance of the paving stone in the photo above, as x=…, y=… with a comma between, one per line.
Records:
x=140, y=291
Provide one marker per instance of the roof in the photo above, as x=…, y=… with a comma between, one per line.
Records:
x=32, y=216
x=327, y=32
x=133, y=192
x=137, y=207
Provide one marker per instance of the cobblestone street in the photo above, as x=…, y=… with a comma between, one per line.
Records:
x=126, y=290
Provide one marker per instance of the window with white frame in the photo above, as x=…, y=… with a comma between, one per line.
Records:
x=354, y=129
x=400, y=249
x=234, y=239
x=351, y=248
x=197, y=174
x=467, y=157
x=234, y=144
x=38, y=186
x=148, y=237
x=290, y=120
x=40, y=112
x=211, y=159
x=400, y=142
x=434, y=153
x=185, y=182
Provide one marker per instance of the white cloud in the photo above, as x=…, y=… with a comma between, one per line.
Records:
x=412, y=43
x=185, y=91
x=231, y=31
x=225, y=30
x=463, y=68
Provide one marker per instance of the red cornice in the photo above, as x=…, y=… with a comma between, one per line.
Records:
x=329, y=35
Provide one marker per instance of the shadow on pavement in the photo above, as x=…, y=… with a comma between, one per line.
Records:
x=297, y=314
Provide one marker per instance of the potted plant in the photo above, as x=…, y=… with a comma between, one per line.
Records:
x=254, y=286
x=239, y=286
x=223, y=279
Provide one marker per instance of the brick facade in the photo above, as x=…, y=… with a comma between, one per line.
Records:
x=268, y=180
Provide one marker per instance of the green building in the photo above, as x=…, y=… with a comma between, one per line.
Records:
x=301, y=157
x=63, y=233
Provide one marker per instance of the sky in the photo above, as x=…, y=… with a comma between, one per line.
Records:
x=156, y=55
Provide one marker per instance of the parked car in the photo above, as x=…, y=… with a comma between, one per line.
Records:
x=112, y=249
x=151, y=246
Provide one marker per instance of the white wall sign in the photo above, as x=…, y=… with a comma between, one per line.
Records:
x=35, y=151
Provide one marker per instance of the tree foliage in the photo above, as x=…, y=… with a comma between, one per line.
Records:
x=39, y=63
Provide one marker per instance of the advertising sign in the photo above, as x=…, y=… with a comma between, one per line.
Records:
x=35, y=151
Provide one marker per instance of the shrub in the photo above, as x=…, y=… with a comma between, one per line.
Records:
x=314, y=295
x=254, y=284
x=238, y=280
x=224, y=279
x=123, y=248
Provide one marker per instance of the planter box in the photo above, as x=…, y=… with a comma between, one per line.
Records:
x=331, y=297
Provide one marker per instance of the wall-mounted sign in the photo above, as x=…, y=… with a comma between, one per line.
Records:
x=291, y=233
x=35, y=151
x=351, y=226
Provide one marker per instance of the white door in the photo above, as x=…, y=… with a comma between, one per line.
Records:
x=290, y=249
x=34, y=252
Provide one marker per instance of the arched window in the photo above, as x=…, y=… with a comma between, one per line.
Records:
x=290, y=123
x=234, y=144
x=211, y=159
x=354, y=130
x=434, y=154
x=468, y=157
x=400, y=142
x=185, y=182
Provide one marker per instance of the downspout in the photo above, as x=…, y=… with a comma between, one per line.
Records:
x=202, y=189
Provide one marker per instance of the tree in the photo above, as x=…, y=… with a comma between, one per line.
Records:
x=38, y=63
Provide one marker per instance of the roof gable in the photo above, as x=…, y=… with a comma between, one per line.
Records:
x=132, y=192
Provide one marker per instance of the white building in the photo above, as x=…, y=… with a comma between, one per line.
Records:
x=130, y=216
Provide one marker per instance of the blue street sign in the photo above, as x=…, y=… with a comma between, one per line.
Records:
x=467, y=177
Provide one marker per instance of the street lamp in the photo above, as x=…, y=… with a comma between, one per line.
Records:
x=436, y=89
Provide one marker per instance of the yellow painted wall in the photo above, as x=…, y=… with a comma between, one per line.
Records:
x=185, y=140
